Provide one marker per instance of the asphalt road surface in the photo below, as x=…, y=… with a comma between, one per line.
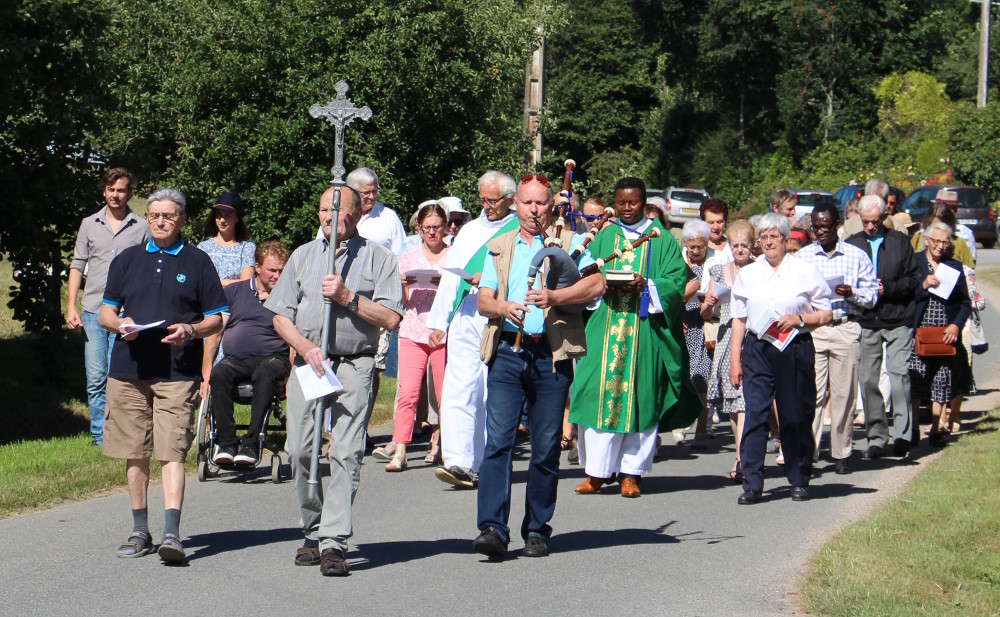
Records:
x=684, y=548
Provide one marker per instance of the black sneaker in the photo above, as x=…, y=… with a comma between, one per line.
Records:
x=490, y=543
x=536, y=546
x=247, y=456
x=457, y=476
x=224, y=456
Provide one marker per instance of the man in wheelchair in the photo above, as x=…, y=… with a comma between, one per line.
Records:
x=251, y=350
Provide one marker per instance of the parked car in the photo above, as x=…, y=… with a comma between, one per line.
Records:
x=807, y=199
x=975, y=211
x=684, y=205
x=846, y=194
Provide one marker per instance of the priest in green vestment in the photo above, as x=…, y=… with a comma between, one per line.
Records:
x=634, y=380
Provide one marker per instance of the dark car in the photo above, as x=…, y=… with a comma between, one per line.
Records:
x=846, y=194
x=974, y=212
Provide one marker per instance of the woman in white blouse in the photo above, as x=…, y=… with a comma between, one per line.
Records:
x=776, y=302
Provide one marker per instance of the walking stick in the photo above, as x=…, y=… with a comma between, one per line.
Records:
x=339, y=112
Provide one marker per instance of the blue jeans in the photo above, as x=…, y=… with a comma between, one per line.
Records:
x=513, y=379
x=97, y=357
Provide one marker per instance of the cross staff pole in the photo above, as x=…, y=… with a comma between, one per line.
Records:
x=339, y=112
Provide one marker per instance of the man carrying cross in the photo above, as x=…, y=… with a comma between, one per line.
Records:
x=628, y=347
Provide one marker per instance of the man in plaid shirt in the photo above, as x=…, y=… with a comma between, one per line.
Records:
x=838, y=344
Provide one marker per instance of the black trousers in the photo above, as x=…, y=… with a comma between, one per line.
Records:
x=788, y=377
x=268, y=375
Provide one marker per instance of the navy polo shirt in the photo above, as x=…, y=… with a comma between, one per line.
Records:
x=178, y=284
x=250, y=330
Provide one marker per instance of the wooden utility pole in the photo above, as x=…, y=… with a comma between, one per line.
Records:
x=534, y=89
x=984, y=53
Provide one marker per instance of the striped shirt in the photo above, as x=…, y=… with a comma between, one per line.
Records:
x=370, y=272
x=850, y=262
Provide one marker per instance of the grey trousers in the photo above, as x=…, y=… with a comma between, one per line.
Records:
x=899, y=344
x=327, y=518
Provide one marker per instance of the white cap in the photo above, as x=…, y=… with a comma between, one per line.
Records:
x=453, y=205
x=659, y=202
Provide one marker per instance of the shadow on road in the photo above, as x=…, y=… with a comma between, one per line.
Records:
x=211, y=544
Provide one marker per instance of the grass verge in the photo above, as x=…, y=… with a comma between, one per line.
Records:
x=990, y=274
x=933, y=550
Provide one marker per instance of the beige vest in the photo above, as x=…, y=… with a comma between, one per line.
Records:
x=563, y=329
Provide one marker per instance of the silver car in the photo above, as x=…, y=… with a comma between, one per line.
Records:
x=684, y=205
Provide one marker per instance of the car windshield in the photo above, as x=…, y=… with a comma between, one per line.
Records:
x=692, y=196
x=920, y=200
x=811, y=199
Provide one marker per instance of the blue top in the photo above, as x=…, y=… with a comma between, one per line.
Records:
x=229, y=260
x=874, y=242
x=250, y=330
x=517, y=279
x=177, y=284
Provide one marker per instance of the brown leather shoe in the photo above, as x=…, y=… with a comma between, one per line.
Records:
x=591, y=485
x=629, y=487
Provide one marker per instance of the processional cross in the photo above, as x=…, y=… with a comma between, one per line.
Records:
x=339, y=112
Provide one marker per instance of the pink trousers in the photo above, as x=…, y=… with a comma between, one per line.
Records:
x=412, y=367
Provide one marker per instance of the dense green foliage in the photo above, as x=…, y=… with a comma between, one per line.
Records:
x=739, y=97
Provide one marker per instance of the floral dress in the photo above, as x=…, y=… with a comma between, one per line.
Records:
x=720, y=391
x=230, y=260
x=694, y=335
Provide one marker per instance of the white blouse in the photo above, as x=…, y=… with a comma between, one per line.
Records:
x=795, y=288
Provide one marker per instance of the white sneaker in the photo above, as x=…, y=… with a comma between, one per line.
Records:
x=678, y=434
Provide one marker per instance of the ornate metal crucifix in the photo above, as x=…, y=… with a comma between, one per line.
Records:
x=339, y=112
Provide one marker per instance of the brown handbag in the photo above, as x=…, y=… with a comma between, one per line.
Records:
x=929, y=342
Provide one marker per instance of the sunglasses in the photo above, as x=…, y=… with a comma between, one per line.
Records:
x=539, y=178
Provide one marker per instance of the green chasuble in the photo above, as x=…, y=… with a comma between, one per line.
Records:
x=636, y=373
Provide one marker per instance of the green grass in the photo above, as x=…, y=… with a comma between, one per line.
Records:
x=989, y=274
x=933, y=550
x=45, y=452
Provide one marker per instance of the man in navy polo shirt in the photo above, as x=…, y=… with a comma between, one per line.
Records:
x=161, y=298
x=254, y=351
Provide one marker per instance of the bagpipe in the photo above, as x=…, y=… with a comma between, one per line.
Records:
x=562, y=270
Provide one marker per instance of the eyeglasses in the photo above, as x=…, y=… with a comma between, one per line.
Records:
x=432, y=228
x=167, y=218
x=821, y=227
x=771, y=237
x=456, y=223
x=486, y=201
x=937, y=242
x=368, y=193
x=539, y=178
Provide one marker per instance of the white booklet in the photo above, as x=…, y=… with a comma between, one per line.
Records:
x=424, y=279
x=947, y=279
x=721, y=292
x=834, y=282
x=313, y=386
x=767, y=330
x=131, y=328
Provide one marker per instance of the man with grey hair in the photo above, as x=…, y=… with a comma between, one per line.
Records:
x=380, y=225
x=367, y=295
x=890, y=322
x=872, y=187
x=173, y=290
x=463, y=395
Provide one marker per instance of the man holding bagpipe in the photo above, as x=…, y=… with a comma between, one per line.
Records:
x=528, y=345
x=634, y=380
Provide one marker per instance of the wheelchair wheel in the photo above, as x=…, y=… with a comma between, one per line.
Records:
x=202, y=470
x=276, y=469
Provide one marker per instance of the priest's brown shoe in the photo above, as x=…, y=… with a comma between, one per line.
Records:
x=629, y=487
x=590, y=486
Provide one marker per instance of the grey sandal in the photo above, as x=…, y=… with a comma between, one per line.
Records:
x=139, y=543
x=171, y=550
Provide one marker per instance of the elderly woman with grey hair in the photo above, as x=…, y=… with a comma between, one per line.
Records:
x=942, y=379
x=776, y=302
x=695, y=236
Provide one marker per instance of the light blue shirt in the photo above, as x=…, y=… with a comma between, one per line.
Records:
x=517, y=280
x=874, y=242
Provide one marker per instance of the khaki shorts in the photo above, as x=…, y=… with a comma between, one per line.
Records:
x=142, y=416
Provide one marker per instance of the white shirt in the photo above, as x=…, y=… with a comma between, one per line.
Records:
x=382, y=226
x=796, y=287
x=469, y=239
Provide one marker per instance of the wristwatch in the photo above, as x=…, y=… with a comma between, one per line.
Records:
x=190, y=331
x=802, y=323
x=352, y=306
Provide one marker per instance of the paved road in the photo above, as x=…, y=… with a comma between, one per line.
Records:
x=683, y=548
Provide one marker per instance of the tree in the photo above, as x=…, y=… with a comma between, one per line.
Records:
x=50, y=67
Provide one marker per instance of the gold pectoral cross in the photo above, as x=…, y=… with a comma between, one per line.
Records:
x=620, y=330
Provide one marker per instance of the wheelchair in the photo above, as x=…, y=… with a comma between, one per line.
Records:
x=274, y=418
